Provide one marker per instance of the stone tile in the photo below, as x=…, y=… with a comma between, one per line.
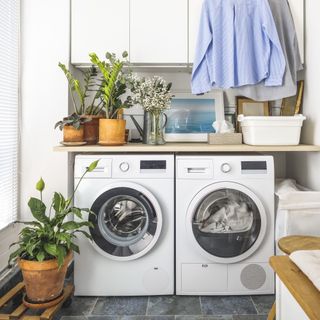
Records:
x=263, y=304
x=251, y=317
x=102, y=318
x=80, y=306
x=73, y=318
x=147, y=318
x=222, y=317
x=174, y=305
x=121, y=306
x=226, y=305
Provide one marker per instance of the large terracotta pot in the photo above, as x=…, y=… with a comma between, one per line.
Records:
x=91, y=129
x=71, y=134
x=112, y=132
x=44, y=280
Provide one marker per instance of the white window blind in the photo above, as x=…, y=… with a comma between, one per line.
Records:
x=9, y=107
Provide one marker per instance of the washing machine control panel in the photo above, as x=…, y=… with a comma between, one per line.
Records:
x=124, y=166
x=226, y=167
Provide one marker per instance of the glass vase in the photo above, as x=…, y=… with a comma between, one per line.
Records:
x=155, y=123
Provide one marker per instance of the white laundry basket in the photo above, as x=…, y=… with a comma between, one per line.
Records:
x=298, y=211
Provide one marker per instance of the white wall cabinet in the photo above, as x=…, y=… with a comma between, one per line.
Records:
x=159, y=31
x=98, y=26
x=153, y=31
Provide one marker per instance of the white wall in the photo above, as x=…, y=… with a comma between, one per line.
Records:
x=305, y=167
x=44, y=42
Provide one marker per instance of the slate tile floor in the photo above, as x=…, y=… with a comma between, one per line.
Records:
x=168, y=308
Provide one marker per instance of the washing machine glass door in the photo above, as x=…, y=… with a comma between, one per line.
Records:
x=227, y=221
x=126, y=224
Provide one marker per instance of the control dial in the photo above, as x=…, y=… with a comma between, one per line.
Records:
x=124, y=166
x=225, y=167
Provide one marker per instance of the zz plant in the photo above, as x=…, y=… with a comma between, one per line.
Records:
x=113, y=84
x=51, y=235
x=80, y=93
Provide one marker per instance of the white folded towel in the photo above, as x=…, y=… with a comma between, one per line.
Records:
x=308, y=262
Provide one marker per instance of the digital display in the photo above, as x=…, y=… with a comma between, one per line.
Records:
x=253, y=165
x=153, y=164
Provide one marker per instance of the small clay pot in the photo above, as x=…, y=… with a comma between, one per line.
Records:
x=91, y=129
x=71, y=134
x=112, y=132
x=44, y=280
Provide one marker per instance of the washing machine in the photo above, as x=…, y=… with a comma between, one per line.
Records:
x=132, y=247
x=224, y=225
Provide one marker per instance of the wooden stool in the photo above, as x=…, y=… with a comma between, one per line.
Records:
x=294, y=243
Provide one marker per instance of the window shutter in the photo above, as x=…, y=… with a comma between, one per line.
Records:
x=9, y=107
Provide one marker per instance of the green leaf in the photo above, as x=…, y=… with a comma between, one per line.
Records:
x=75, y=248
x=84, y=233
x=51, y=249
x=15, y=254
x=61, y=253
x=58, y=202
x=77, y=212
x=38, y=210
x=40, y=185
x=70, y=225
x=40, y=256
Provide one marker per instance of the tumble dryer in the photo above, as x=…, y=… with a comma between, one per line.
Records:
x=224, y=225
x=132, y=247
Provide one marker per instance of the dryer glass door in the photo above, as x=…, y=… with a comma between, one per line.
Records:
x=125, y=224
x=226, y=223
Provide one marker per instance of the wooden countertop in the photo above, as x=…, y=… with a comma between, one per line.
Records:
x=186, y=147
x=301, y=288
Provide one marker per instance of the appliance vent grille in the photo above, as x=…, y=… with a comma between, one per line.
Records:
x=253, y=276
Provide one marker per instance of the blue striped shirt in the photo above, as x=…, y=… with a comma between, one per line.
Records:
x=237, y=45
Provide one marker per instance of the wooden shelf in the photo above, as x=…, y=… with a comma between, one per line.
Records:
x=186, y=147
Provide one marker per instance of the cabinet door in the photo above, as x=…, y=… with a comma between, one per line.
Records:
x=159, y=31
x=98, y=26
x=195, y=7
x=297, y=8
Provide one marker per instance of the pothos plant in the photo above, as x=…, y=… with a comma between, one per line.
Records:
x=113, y=84
x=81, y=93
x=51, y=235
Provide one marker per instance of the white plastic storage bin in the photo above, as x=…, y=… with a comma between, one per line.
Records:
x=271, y=130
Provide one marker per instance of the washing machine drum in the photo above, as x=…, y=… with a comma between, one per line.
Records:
x=126, y=223
x=227, y=222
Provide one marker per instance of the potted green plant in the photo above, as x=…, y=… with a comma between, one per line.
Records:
x=113, y=88
x=86, y=100
x=46, y=244
x=73, y=128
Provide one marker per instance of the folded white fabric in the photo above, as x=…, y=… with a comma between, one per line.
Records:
x=308, y=262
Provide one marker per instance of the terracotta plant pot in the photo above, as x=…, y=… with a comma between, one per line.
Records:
x=44, y=280
x=71, y=134
x=112, y=132
x=91, y=129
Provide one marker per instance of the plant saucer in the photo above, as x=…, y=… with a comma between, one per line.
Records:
x=70, y=144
